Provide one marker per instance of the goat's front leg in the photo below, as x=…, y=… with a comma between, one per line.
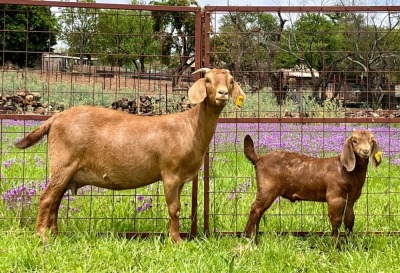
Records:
x=172, y=191
x=336, y=208
x=349, y=218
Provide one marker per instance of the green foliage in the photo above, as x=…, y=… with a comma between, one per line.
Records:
x=79, y=26
x=127, y=36
x=243, y=41
x=17, y=20
x=176, y=32
x=264, y=104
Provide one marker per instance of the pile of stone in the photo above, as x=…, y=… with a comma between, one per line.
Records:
x=22, y=101
x=145, y=105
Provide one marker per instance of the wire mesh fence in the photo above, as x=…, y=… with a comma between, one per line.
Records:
x=310, y=74
x=83, y=53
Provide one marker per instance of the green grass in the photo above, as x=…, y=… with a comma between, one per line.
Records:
x=23, y=252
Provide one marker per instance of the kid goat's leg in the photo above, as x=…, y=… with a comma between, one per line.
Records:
x=260, y=205
x=336, y=208
x=349, y=218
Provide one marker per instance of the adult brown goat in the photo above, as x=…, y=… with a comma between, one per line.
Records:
x=336, y=180
x=115, y=150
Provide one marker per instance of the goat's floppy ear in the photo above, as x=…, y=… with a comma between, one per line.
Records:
x=197, y=91
x=238, y=96
x=376, y=154
x=347, y=158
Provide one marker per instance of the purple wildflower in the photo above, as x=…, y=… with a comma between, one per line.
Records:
x=19, y=196
x=145, y=204
x=9, y=163
x=241, y=188
x=140, y=198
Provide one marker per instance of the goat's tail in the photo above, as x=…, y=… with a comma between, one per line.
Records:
x=249, y=150
x=35, y=135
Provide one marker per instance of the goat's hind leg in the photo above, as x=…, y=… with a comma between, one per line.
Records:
x=260, y=205
x=54, y=212
x=50, y=200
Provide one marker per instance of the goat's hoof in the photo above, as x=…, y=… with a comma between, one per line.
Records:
x=43, y=237
x=176, y=239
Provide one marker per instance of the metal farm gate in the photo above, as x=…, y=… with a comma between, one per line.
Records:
x=311, y=75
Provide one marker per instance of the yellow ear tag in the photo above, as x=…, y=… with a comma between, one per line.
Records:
x=378, y=156
x=239, y=101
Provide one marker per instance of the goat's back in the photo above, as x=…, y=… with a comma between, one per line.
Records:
x=300, y=177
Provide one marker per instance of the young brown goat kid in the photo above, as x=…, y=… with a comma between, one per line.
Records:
x=115, y=150
x=336, y=180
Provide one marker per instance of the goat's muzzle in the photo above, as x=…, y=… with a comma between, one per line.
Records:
x=364, y=153
x=223, y=92
x=222, y=96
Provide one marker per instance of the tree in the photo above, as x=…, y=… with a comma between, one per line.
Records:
x=79, y=26
x=247, y=42
x=374, y=42
x=314, y=42
x=127, y=36
x=29, y=30
x=176, y=32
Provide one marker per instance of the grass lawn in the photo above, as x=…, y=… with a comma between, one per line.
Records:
x=21, y=251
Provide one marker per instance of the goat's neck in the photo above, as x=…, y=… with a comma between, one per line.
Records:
x=204, y=122
x=360, y=170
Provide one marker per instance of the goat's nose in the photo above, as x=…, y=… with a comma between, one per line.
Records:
x=365, y=151
x=223, y=92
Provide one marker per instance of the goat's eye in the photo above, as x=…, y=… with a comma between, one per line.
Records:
x=232, y=81
x=207, y=81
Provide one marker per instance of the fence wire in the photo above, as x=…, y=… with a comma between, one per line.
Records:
x=311, y=75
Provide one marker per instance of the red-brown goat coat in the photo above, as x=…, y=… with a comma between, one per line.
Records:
x=336, y=180
x=115, y=150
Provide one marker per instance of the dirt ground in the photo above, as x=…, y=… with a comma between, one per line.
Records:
x=146, y=85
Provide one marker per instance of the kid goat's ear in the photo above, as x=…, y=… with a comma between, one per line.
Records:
x=347, y=158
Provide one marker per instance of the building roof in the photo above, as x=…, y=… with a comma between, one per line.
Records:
x=300, y=71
